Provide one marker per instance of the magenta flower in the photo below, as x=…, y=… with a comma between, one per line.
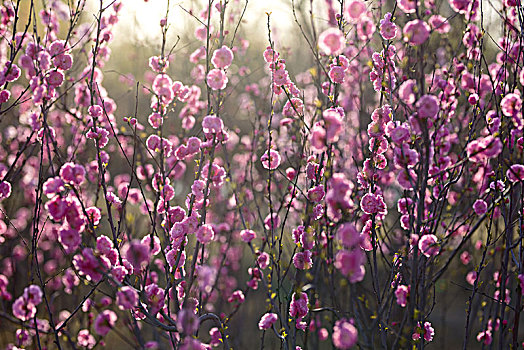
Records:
x=402, y=293
x=212, y=124
x=126, y=298
x=416, y=32
x=155, y=298
x=480, y=207
x=104, y=322
x=73, y=174
x=187, y=321
x=345, y=335
x=247, y=235
x=237, y=296
x=299, y=305
x=337, y=74
x=408, y=6
x=439, y=23
x=85, y=339
x=426, y=331
x=355, y=10
x=205, y=234
x=263, y=260
x=302, y=260
x=316, y=194
x=515, y=173
x=267, y=321
x=348, y=235
x=428, y=106
x=388, y=29
x=137, y=254
x=270, y=160
x=428, y=245
x=332, y=42
x=372, y=204
x=222, y=57
x=350, y=263
x=217, y=79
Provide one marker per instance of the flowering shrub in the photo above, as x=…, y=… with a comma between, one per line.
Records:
x=374, y=200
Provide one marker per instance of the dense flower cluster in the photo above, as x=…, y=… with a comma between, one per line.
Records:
x=346, y=205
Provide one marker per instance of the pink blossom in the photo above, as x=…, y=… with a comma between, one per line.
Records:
x=427, y=331
x=216, y=336
x=155, y=298
x=57, y=208
x=270, y=55
x=388, y=29
x=280, y=77
x=267, y=321
x=485, y=337
x=408, y=6
x=94, y=215
x=69, y=238
x=345, y=335
x=337, y=74
x=187, y=321
x=205, y=234
x=299, y=305
x=4, y=96
x=427, y=106
x=89, y=265
x=126, y=298
x=416, y=32
x=318, y=137
x=350, y=263
x=206, y=278
x=272, y=221
x=212, y=124
x=85, y=339
x=137, y=254
x=372, y=204
x=263, y=260
x=158, y=64
x=459, y=6
x=406, y=91
x=162, y=87
x=483, y=148
x=55, y=78
x=271, y=159
x=155, y=247
x=316, y=194
x=63, y=62
x=355, y=10
x=366, y=28
x=471, y=277
x=104, y=322
x=302, y=260
x=428, y=245
x=23, y=310
x=237, y=296
x=222, y=57
x=72, y=173
x=348, y=235
x=515, y=173
x=402, y=293
x=480, y=207
x=332, y=42
x=511, y=105
x=439, y=23
x=247, y=235
x=333, y=123
x=217, y=79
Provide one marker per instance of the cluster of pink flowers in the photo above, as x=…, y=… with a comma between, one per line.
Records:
x=330, y=206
